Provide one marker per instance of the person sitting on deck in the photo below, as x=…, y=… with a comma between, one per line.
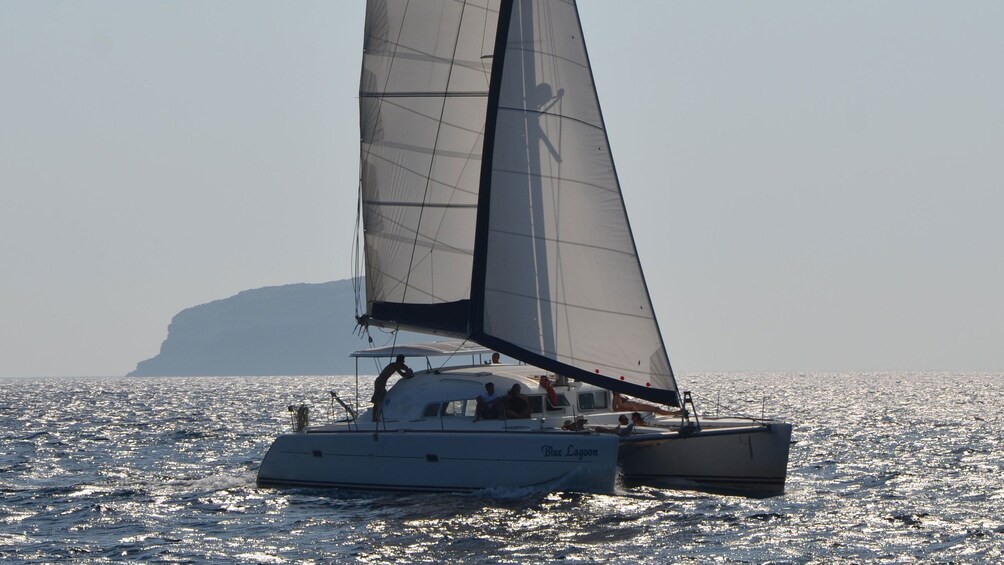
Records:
x=620, y=404
x=623, y=427
x=551, y=396
x=380, y=385
x=489, y=404
x=517, y=404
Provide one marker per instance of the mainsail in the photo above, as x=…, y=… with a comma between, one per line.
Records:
x=492, y=209
x=423, y=98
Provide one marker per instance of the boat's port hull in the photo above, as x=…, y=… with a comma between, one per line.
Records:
x=751, y=460
x=442, y=461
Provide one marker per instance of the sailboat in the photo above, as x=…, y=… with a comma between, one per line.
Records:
x=492, y=214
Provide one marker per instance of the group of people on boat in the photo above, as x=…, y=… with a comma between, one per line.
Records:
x=514, y=404
x=494, y=406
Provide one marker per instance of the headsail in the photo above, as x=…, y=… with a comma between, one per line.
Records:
x=557, y=279
x=423, y=97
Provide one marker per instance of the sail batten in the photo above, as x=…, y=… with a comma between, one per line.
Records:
x=440, y=94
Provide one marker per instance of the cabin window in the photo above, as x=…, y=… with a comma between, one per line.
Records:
x=431, y=410
x=600, y=399
x=593, y=400
x=536, y=404
x=454, y=408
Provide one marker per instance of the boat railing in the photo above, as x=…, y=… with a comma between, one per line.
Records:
x=350, y=414
x=685, y=423
x=734, y=412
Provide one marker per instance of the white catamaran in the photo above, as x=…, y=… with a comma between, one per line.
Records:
x=492, y=213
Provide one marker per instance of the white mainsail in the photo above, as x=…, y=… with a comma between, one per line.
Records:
x=492, y=209
x=423, y=97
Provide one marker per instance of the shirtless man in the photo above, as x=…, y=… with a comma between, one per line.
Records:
x=380, y=385
x=620, y=404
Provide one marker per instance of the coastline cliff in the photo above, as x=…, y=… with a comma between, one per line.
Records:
x=296, y=329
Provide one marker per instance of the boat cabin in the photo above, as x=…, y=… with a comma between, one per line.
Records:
x=451, y=392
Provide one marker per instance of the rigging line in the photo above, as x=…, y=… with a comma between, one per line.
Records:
x=552, y=55
x=420, y=114
x=442, y=218
x=401, y=282
x=562, y=180
x=435, y=181
x=428, y=176
x=417, y=204
x=425, y=94
x=573, y=305
x=534, y=259
x=462, y=344
x=408, y=52
x=356, y=264
x=552, y=115
x=427, y=242
x=478, y=141
x=557, y=103
x=564, y=242
x=484, y=35
x=436, y=152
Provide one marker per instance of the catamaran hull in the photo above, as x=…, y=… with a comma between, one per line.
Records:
x=750, y=461
x=442, y=461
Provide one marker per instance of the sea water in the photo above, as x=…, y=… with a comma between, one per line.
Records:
x=890, y=467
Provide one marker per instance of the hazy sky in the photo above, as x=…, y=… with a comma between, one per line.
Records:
x=812, y=186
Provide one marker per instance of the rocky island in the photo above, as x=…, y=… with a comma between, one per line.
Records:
x=296, y=329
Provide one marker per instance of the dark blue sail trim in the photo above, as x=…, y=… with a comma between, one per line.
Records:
x=480, y=264
x=449, y=317
x=668, y=397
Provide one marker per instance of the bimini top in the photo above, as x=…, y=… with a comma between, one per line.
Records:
x=430, y=349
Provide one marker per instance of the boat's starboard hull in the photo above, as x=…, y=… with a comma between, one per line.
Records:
x=750, y=461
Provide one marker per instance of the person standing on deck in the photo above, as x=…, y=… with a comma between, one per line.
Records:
x=380, y=385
